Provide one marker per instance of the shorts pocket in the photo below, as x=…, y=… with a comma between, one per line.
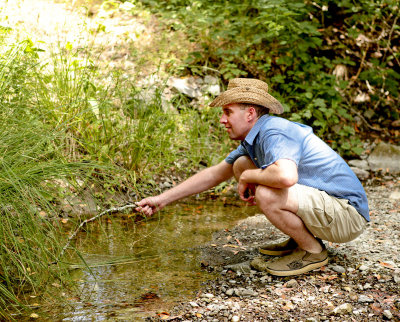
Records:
x=320, y=218
x=322, y=212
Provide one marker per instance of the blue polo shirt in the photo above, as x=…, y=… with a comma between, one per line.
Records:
x=273, y=138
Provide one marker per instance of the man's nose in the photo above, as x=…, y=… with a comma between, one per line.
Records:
x=222, y=119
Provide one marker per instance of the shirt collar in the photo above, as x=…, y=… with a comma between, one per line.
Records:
x=255, y=129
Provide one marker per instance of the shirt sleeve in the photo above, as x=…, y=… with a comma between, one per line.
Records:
x=279, y=145
x=231, y=158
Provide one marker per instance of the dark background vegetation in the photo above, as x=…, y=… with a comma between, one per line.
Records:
x=334, y=64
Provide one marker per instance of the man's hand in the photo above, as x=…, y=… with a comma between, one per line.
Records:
x=247, y=192
x=150, y=205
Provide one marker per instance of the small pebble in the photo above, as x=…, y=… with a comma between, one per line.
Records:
x=364, y=299
x=292, y=283
x=343, y=309
x=230, y=291
x=235, y=318
x=387, y=314
x=339, y=269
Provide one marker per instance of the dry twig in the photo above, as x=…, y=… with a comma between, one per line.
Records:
x=83, y=223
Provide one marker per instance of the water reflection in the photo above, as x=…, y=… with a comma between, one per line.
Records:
x=155, y=263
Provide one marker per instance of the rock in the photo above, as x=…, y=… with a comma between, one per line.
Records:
x=210, y=80
x=363, y=268
x=387, y=314
x=257, y=221
x=230, y=292
x=292, y=283
x=361, y=164
x=343, y=309
x=395, y=195
x=235, y=318
x=364, y=299
x=265, y=279
x=187, y=86
x=214, y=90
x=208, y=295
x=385, y=157
x=338, y=269
x=243, y=292
x=396, y=279
x=240, y=267
x=360, y=173
x=193, y=304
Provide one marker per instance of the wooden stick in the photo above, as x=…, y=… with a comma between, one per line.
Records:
x=83, y=223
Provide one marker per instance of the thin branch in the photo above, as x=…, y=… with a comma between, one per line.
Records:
x=83, y=223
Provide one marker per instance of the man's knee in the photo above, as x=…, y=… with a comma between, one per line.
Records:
x=241, y=164
x=271, y=200
x=266, y=198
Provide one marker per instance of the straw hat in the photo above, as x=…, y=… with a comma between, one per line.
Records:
x=248, y=90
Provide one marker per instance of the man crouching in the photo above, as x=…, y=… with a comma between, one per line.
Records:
x=303, y=187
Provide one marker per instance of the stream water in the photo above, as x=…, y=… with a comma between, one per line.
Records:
x=139, y=269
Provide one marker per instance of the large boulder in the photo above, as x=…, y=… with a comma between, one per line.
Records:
x=385, y=157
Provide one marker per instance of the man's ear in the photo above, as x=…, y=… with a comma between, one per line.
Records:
x=252, y=114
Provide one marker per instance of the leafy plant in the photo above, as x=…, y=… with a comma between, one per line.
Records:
x=296, y=47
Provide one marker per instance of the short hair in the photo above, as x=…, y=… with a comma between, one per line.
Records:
x=260, y=110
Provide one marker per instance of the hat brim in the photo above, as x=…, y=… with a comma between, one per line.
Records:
x=248, y=95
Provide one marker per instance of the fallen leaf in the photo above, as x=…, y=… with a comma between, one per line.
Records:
x=34, y=316
x=163, y=315
x=387, y=265
x=64, y=220
x=198, y=315
x=42, y=214
x=376, y=308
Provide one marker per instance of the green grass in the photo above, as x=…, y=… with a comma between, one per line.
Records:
x=61, y=124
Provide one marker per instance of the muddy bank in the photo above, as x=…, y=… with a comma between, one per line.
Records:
x=360, y=283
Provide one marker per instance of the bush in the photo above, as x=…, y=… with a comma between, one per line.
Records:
x=297, y=47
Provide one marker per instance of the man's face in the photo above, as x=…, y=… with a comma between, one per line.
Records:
x=235, y=118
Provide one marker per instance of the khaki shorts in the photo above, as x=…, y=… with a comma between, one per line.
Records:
x=327, y=217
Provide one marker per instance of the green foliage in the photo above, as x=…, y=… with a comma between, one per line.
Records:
x=295, y=46
x=31, y=162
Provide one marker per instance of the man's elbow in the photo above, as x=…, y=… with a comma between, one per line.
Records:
x=289, y=180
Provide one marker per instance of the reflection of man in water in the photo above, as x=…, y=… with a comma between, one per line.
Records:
x=302, y=186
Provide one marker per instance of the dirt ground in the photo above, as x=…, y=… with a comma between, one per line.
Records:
x=360, y=283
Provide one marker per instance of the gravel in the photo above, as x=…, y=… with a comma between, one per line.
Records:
x=360, y=283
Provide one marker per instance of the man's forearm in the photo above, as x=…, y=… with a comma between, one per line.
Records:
x=282, y=174
x=199, y=182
